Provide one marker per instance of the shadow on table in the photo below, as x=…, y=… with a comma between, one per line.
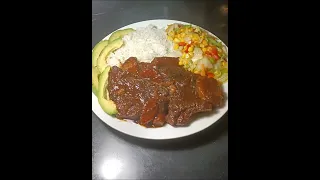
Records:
x=201, y=138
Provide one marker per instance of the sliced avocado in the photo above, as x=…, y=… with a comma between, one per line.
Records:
x=97, y=50
x=95, y=81
x=95, y=92
x=120, y=34
x=102, y=64
x=107, y=105
x=103, y=82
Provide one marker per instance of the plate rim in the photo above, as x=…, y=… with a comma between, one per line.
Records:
x=95, y=100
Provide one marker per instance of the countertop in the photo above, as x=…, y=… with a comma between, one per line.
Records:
x=200, y=156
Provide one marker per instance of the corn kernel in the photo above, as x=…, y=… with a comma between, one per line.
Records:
x=209, y=48
x=170, y=38
x=175, y=46
x=183, y=35
x=171, y=33
x=187, y=56
x=196, y=72
x=180, y=63
x=191, y=48
x=224, y=64
x=205, y=43
x=195, y=36
x=204, y=49
x=176, y=40
x=183, y=55
x=191, y=54
x=201, y=45
x=184, y=48
x=185, y=61
x=217, y=73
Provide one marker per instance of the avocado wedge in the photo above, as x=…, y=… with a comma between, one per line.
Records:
x=97, y=50
x=114, y=45
x=120, y=34
x=95, y=81
x=107, y=105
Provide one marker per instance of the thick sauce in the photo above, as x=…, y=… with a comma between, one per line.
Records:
x=154, y=93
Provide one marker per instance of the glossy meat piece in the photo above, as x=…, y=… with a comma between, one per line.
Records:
x=135, y=93
x=160, y=119
x=154, y=93
x=149, y=112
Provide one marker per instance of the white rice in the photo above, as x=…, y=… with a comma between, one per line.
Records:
x=145, y=44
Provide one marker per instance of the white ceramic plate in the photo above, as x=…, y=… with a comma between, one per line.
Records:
x=166, y=132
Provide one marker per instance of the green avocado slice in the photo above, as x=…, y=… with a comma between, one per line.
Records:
x=97, y=50
x=106, y=104
x=114, y=45
x=95, y=81
x=120, y=34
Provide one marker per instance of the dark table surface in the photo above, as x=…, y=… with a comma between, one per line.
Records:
x=119, y=156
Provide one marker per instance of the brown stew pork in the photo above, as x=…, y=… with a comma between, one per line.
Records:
x=160, y=92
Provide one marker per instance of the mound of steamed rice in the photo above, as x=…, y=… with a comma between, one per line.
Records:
x=145, y=44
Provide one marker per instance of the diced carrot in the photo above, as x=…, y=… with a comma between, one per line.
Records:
x=216, y=57
x=214, y=51
x=203, y=71
x=210, y=75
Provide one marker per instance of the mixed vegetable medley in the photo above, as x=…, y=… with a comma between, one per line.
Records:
x=201, y=53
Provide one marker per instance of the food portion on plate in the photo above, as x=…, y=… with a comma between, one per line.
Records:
x=156, y=76
x=160, y=92
x=201, y=53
